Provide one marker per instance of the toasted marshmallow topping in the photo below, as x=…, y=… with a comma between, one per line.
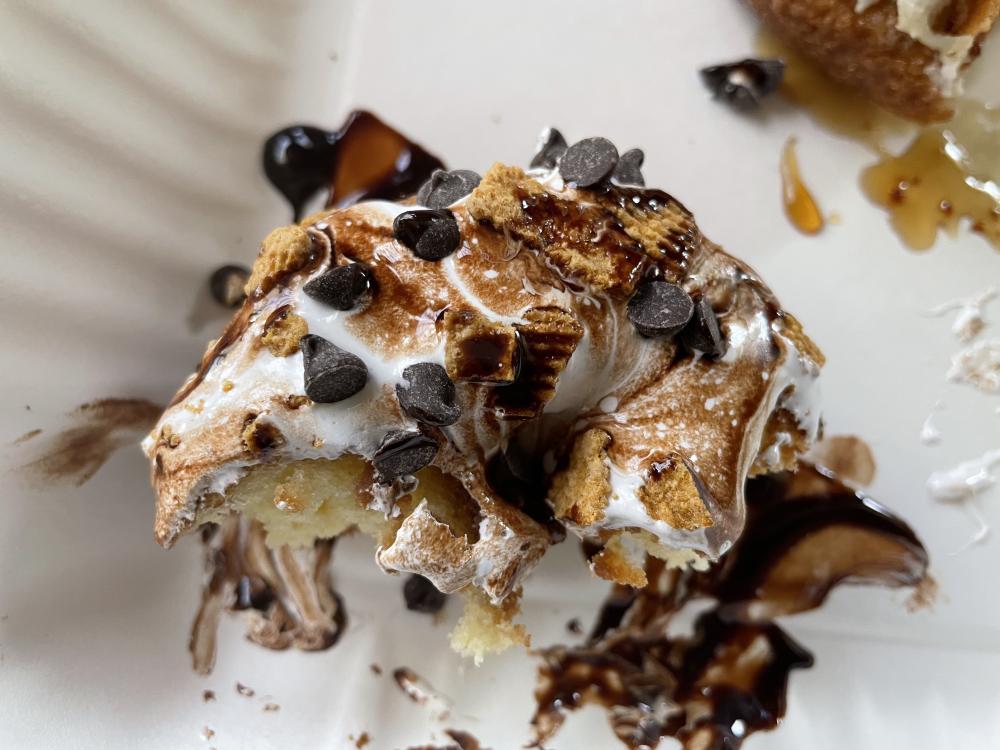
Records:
x=529, y=318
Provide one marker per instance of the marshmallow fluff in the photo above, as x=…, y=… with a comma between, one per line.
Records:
x=725, y=419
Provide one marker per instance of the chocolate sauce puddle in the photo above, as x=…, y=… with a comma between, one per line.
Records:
x=364, y=159
x=806, y=533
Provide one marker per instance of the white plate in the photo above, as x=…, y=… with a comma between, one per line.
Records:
x=129, y=141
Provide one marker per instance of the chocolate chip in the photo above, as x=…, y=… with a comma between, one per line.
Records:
x=331, y=374
x=422, y=596
x=702, y=333
x=551, y=147
x=428, y=395
x=444, y=188
x=589, y=161
x=743, y=84
x=226, y=285
x=430, y=234
x=628, y=170
x=659, y=309
x=342, y=287
x=402, y=453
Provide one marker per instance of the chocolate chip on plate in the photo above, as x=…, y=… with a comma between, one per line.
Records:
x=628, y=171
x=331, y=374
x=589, y=161
x=551, y=147
x=422, y=596
x=444, y=187
x=430, y=234
x=428, y=395
x=226, y=284
x=743, y=84
x=402, y=453
x=342, y=287
x=702, y=333
x=659, y=308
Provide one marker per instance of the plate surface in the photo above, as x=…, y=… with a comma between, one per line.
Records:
x=130, y=138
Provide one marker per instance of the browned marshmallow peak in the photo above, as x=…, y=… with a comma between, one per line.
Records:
x=593, y=332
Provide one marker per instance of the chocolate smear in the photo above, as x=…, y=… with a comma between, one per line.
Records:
x=805, y=533
x=286, y=592
x=97, y=430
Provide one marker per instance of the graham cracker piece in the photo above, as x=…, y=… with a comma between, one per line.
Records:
x=583, y=240
x=497, y=198
x=549, y=335
x=282, y=333
x=284, y=250
x=581, y=492
x=673, y=494
x=480, y=350
x=665, y=229
x=793, y=331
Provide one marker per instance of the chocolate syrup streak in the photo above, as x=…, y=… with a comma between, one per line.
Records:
x=286, y=592
x=805, y=533
x=364, y=160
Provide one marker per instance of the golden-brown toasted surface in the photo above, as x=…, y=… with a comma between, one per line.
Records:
x=867, y=52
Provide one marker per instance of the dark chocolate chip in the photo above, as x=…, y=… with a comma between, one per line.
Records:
x=659, y=308
x=428, y=395
x=430, y=234
x=628, y=171
x=743, y=84
x=402, y=453
x=226, y=285
x=589, y=161
x=444, y=188
x=702, y=333
x=422, y=596
x=551, y=147
x=342, y=287
x=331, y=374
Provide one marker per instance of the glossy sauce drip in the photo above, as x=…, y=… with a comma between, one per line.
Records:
x=364, y=160
x=800, y=205
x=730, y=678
x=924, y=190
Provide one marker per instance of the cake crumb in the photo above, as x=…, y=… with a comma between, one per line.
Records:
x=208, y=695
x=207, y=733
x=271, y=708
x=245, y=691
x=376, y=669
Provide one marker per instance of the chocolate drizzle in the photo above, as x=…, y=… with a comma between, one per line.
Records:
x=287, y=592
x=805, y=533
x=364, y=159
